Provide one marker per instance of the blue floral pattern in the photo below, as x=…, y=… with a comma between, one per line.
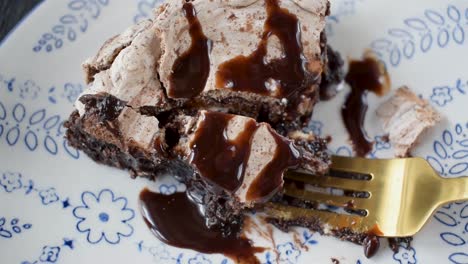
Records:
x=12, y=227
x=11, y=181
x=343, y=9
x=50, y=254
x=288, y=253
x=405, y=255
x=36, y=129
x=69, y=26
x=442, y=95
x=434, y=28
x=450, y=157
x=14, y=182
x=104, y=217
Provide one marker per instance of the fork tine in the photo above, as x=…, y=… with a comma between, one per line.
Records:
x=357, y=165
x=334, y=221
x=326, y=181
x=343, y=201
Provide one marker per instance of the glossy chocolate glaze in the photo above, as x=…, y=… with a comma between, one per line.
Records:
x=254, y=74
x=179, y=221
x=223, y=161
x=190, y=71
x=363, y=76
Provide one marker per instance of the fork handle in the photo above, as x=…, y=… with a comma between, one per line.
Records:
x=455, y=189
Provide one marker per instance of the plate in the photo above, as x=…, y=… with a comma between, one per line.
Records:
x=57, y=206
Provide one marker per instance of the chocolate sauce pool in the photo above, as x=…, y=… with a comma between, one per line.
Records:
x=363, y=76
x=179, y=221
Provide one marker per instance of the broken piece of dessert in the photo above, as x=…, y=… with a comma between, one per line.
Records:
x=216, y=93
x=404, y=118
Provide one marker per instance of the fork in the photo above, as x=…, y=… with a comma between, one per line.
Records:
x=386, y=197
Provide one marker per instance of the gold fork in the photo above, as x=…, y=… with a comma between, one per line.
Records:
x=394, y=198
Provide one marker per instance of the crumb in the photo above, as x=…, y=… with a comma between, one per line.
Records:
x=404, y=118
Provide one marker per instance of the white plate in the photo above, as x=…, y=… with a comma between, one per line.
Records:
x=58, y=206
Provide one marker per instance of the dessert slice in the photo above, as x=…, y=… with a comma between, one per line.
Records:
x=262, y=59
x=228, y=162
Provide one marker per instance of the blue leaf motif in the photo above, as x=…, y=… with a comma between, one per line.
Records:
x=77, y=4
x=1, y=130
x=443, y=38
x=47, y=36
x=426, y=42
x=445, y=218
x=453, y=13
x=458, y=34
x=58, y=43
x=464, y=212
x=409, y=49
x=5, y=233
x=58, y=29
x=37, y=117
x=440, y=150
x=68, y=19
x=436, y=164
x=416, y=23
x=447, y=137
x=71, y=34
x=395, y=56
x=434, y=17
x=19, y=112
x=13, y=135
x=458, y=129
x=51, y=122
x=459, y=258
x=463, y=143
x=2, y=112
x=381, y=44
x=460, y=154
x=71, y=151
x=31, y=140
x=399, y=33
x=452, y=239
x=50, y=145
x=459, y=168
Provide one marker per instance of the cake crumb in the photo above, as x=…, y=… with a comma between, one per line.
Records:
x=404, y=118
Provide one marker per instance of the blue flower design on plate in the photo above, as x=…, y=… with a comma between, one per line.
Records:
x=405, y=256
x=288, y=253
x=199, y=259
x=441, y=95
x=81, y=14
x=15, y=227
x=381, y=143
x=104, y=217
x=316, y=127
x=450, y=156
x=48, y=196
x=11, y=181
x=434, y=28
x=454, y=218
x=29, y=90
x=49, y=254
